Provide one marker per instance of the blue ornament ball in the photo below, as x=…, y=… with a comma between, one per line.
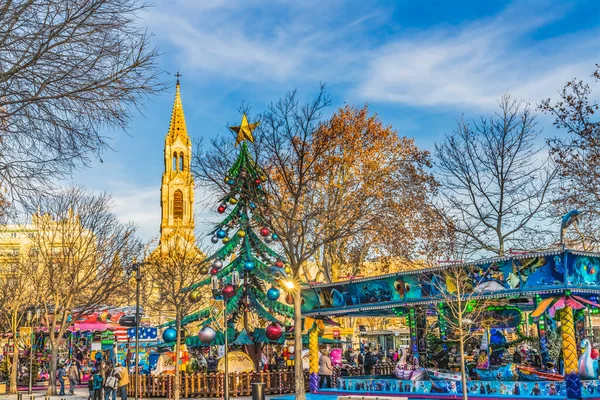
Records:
x=275, y=236
x=231, y=181
x=248, y=265
x=273, y=294
x=252, y=205
x=169, y=335
x=221, y=233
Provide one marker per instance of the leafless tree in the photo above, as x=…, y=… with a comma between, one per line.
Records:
x=465, y=309
x=496, y=182
x=577, y=153
x=69, y=71
x=172, y=267
x=15, y=297
x=77, y=260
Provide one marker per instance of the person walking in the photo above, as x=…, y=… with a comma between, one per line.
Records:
x=61, y=376
x=91, y=387
x=73, y=375
x=111, y=385
x=123, y=375
x=325, y=370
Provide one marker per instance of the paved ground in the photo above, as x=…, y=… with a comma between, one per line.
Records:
x=82, y=394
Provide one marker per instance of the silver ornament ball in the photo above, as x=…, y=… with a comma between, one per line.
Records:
x=206, y=334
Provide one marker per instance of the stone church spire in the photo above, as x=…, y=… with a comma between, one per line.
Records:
x=177, y=190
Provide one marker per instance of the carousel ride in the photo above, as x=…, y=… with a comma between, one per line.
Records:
x=543, y=303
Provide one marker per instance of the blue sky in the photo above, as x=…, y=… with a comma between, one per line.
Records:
x=419, y=65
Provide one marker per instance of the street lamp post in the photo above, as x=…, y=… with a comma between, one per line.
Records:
x=30, y=317
x=138, y=277
x=217, y=290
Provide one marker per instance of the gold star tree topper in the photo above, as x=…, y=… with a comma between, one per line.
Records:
x=244, y=130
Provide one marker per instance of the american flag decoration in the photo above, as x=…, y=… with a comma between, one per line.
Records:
x=146, y=333
x=121, y=333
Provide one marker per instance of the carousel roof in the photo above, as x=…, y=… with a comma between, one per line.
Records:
x=515, y=278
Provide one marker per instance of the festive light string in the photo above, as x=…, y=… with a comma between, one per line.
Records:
x=442, y=324
x=413, y=329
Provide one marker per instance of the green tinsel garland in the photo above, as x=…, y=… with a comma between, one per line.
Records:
x=233, y=214
x=276, y=306
x=257, y=243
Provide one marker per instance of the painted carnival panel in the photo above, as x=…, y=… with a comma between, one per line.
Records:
x=394, y=288
x=583, y=270
x=441, y=387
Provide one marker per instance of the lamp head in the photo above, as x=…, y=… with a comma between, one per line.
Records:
x=569, y=218
x=289, y=284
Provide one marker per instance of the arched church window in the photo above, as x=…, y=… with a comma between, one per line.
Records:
x=181, y=162
x=174, y=161
x=178, y=205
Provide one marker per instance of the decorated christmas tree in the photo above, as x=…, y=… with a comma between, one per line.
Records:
x=246, y=253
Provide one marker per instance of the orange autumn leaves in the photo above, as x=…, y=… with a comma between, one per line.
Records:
x=370, y=190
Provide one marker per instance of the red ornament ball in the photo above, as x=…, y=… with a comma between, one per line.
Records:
x=214, y=270
x=264, y=231
x=595, y=354
x=227, y=291
x=279, y=264
x=221, y=209
x=273, y=331
x=257, y=181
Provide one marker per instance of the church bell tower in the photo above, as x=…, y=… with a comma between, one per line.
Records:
x=177, y=190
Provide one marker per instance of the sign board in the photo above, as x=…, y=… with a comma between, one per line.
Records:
x=238, y=362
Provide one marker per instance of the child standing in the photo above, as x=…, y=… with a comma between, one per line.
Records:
x=97, y=385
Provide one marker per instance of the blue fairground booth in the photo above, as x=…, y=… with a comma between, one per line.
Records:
x=545, y=302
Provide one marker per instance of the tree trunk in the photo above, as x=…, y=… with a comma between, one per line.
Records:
x=53, y=364
x=15, y=364
x=299, y=371
x=463, y=369
x=176, y=384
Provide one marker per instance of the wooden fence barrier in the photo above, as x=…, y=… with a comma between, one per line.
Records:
x=240, y=384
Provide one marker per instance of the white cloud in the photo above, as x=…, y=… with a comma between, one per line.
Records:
x=473, y=65
x=224, y=50
x=140, y=205
x=467, y=65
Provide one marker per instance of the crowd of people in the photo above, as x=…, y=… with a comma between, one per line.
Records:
x=104, y=383
x=365, y=358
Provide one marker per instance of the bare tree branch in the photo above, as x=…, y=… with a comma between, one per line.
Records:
x=76, y=260
x=496, y=183
x=69, y=70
